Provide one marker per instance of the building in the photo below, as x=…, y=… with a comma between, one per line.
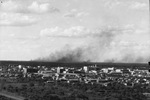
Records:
x=60, y=70
x=86, y=69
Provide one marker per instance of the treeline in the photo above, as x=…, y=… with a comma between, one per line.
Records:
x=77, y=91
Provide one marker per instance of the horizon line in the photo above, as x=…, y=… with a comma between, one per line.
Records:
x=72, y=62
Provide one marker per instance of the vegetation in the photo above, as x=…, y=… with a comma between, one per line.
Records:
x=76, y=91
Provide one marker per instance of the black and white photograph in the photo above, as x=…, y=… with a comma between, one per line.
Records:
x=74, y=49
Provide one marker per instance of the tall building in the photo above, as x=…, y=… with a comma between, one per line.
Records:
x=60, y=70
x=149, y=65
x=86, y=69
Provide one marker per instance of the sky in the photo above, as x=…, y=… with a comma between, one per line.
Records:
x=84, y=30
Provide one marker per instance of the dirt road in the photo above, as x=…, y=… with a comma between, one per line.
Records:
x=12, y=96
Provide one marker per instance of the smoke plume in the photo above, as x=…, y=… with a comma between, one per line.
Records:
x=66, y=55
x=111, y=44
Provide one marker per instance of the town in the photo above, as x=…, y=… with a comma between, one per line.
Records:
x=87, y=82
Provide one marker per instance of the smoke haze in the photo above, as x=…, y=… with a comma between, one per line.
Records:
x=111, y=44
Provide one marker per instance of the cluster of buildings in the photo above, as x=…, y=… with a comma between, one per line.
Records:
x=87, y=74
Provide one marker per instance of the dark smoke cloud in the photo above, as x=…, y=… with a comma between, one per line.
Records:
x=100, y=40
x=67, y=55
x=100, y=49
